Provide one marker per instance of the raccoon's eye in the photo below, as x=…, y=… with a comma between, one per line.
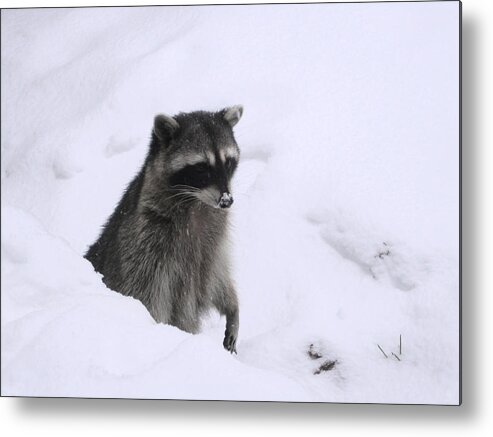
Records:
x=201, y=169
x=197, y=175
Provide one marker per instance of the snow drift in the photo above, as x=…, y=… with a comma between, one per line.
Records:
x=345, y=222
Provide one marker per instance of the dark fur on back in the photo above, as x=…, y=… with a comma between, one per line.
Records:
x=167, y=245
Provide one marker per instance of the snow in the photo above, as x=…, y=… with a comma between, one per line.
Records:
x=345, y=215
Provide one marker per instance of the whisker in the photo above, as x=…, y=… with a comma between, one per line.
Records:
x=186, y=196
x=211, y=197
x=190, y=198
x=188, y=187
x=182, y=193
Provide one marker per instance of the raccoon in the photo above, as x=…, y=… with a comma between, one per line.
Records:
x=166, y=242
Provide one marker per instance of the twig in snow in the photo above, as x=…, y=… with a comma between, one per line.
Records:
x=386, y=356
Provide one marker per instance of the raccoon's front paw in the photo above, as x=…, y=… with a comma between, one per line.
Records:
x=229, y=342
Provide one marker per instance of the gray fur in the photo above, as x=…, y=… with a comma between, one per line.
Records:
x=169, y=247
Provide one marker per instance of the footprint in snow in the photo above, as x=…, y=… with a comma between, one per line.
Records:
x=376, y=256
x=64, y=169
x=324, y=364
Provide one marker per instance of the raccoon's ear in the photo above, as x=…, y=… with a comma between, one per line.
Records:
x=165, y=127
x=232, y=115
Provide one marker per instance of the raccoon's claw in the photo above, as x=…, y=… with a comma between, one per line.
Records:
x=229, y=343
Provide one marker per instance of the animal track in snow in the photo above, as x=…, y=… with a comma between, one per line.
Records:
x=324, y=363
x=377, y=257
x=64, y=169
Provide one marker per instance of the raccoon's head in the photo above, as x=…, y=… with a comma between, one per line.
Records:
x=199, y=154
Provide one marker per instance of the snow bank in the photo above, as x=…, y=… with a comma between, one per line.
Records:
x=345, y=223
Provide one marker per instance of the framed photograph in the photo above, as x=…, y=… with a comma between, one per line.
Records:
x=232, y=202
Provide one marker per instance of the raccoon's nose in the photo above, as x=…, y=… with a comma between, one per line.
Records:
x=226, y=200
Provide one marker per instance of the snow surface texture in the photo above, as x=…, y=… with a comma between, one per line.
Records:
x=345, y=221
